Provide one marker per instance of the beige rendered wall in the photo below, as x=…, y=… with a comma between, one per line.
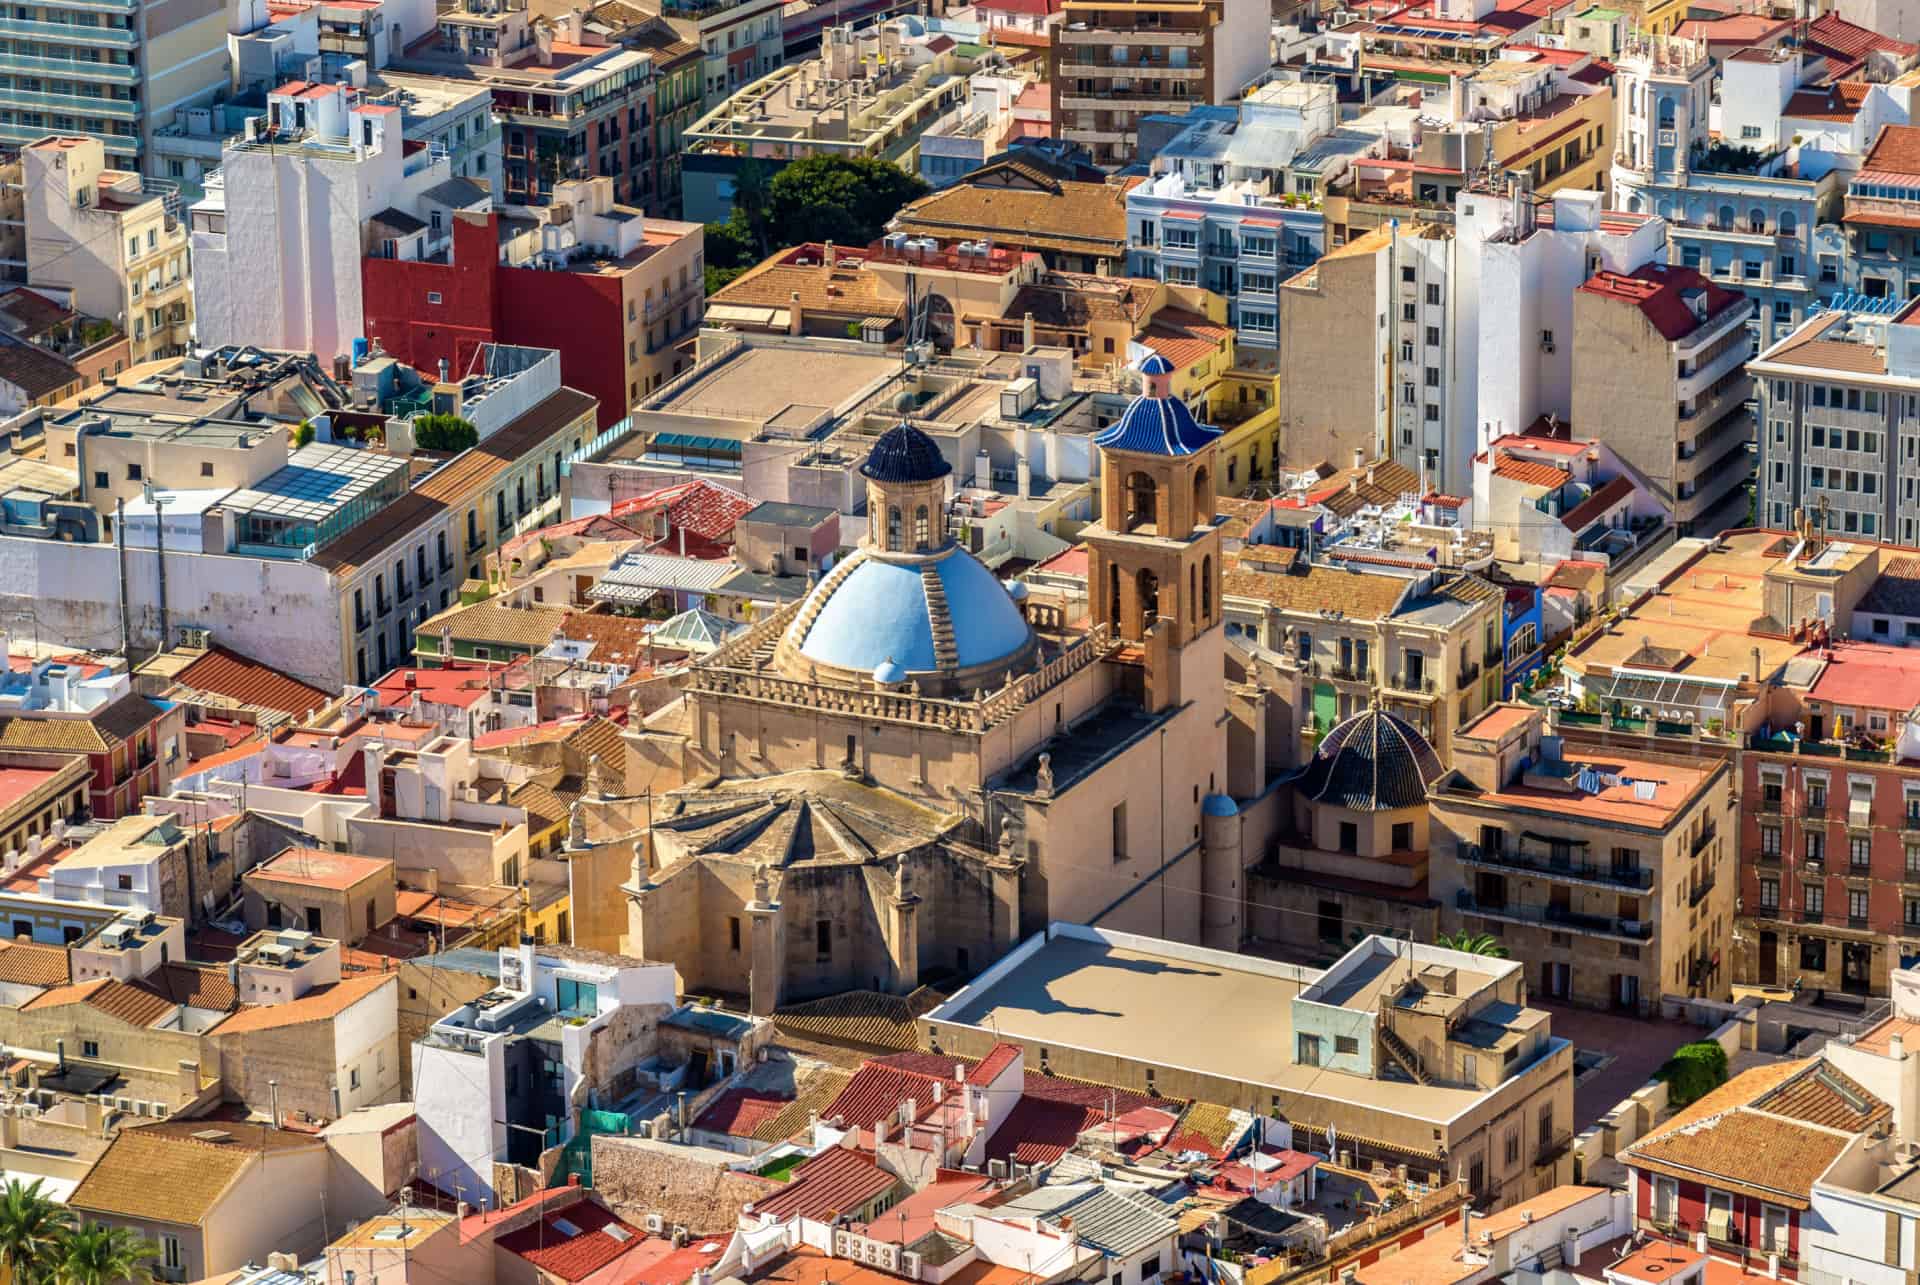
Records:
x=1329, y=363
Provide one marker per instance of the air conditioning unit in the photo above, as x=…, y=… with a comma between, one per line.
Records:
x=655, y=1224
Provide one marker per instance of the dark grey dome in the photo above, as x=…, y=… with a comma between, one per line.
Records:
x=905, y=454
x=1373, y=762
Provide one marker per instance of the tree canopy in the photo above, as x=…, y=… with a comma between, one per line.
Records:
x=438, y=432
x=848, y=199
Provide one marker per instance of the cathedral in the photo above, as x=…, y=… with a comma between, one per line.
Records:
x=905, y=773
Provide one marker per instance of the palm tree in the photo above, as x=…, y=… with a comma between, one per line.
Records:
x=32, y=1224
x=96, y=1254
x=1473, y=944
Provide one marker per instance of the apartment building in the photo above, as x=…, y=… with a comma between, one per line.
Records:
x=678, y=101
x=114, y=239
x=1839, y=403
x=1746, y=208
x=1882, y=217
x=870, y=93
x=1610, y=877
x=1659, y=357
x=278, y=238
x=109, y=70
x=1231, y=205
x=613, y=290
x=1426, y=644
x=739, y=42
x=1113, y=63
x=1394, y=343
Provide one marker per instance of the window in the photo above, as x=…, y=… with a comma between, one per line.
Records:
x=572, y=996
x=1859, y=851
x=170, y=1254
x=823, y=938
x=134, y=473
x=1857, y=900
x=90, y=1048
x=1770, y=894
x=433, y=296
x=1403, y=836
x=1814, y=897
x=353, y=1078
x=1120, y=831
x=1347, y=1044
x=733, y=932
x=1307, y=1050
x=1816, y=847
x=1770, y=841
x=1349, y=837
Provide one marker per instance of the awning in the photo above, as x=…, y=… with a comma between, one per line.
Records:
x=1672, y=697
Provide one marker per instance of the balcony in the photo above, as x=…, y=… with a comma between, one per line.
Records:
x=1816, y=812
x=1768, y=858
x=362, y=622
x=1634, y=878
x=1700, y=891
x=69, y=33
x=1421, y=684
x=1467, y=675
x=113, y=73
x=1352, y=673
x=1812, y=915
x=671, y=303
x=1560, y=918
x=1708, y=833
x=1768, y=807
x=84, y=104
x=1552, y=1147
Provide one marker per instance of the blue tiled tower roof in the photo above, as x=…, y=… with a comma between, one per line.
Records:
x=905, y=454
x=1156, y=426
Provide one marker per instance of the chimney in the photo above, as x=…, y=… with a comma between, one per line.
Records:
x=795, y=314
x=1026, y=332
x=826, y=261
x=1359, y=457
x=1896, y=1047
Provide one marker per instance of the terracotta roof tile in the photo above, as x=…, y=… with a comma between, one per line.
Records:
x=572, y=1242
x=34, y=370
x=163, y=1173
x=105, y=729
x=1530, y=472
x=839, y=1180
x=1311, y=587
x=1661, y=292
x=861, y=1019
x=134, y=1003
x=322, y=1003
x=1897, y=150
x=197, y=985
x=238, y=678
x=1021, y=206
x=28, y=964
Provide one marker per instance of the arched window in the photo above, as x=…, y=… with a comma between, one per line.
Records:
x=1142, y=498
x=1666, y=113
x=1202, y=496
x=893, y=526
x=1113, y=597
x=1193, y=603
x=1756, y=220
x=1724, y=219
x=1206, y=587
x=921, y=533
x=1788, y=225
x=1148, y=586
x=1633, y=203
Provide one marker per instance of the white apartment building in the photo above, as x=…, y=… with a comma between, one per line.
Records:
x=277, y=239
x=1518, y=262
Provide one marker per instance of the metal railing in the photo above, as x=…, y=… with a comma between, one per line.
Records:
x=1635, y=877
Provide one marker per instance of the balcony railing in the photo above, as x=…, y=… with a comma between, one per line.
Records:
x=1812, y=915
x=1422, y=683
x=1552, y=1147
x=1706, y=836
x=1701, y=891
x=1633, y=930
x=1635, y=877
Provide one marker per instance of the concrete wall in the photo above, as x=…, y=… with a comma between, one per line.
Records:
x=280, y=612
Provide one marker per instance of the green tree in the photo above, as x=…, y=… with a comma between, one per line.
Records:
x=730, y=250
x=752, y=202
x=848, y=199
x=1472, y=944
x=96, y=1254
x=437, y=432
x=1693, y=1071
x=32, y=1225
x=302, y=433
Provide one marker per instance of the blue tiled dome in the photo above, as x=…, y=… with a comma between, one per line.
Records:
x=876, y=614
x=905, y=454
x=889, y=673
x=1155, y=364
x=1157, y=426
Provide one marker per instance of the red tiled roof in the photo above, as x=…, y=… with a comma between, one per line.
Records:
x=1835, y=37
x=1896, y=151
x=1660, y=292
x=741, y=1111
x=1038, y=1132
x=461, y=684
x=839, y=1180
x=238, y=678
x=573, y=1242
x=998, y=1059
x=674, y=1268
x=913, y=1217
x=1840, y=101
x=699, y=508
x=1599, y=502
x=876, y=1091
x=1530, y=472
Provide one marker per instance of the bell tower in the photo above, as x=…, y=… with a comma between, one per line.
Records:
x=1154, y=561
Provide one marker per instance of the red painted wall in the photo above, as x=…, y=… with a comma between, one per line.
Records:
x=578, y=313
x=482, y=302
x=394, y=294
